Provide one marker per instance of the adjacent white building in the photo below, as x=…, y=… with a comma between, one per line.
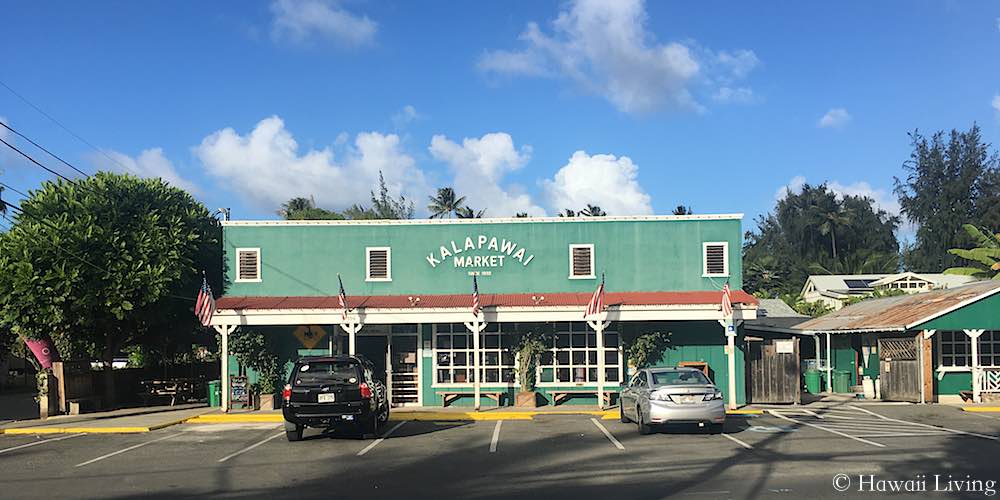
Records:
x=833, y=290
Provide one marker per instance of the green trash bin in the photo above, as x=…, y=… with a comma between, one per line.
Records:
x=214, y=393
x=841, y=381
x=813, y=381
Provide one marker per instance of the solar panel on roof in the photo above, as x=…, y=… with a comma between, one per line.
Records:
x=858, y=283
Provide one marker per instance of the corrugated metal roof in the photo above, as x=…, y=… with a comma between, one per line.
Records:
x=486, y=299
x=899, y=313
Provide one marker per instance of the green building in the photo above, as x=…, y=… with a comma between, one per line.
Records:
x=409, y=285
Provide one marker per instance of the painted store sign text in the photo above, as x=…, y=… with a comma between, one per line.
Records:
x=504, y=251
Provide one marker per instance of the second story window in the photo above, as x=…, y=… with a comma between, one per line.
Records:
x=716, y=259
x=581, y=262
x=248, y=264
x=378, y=264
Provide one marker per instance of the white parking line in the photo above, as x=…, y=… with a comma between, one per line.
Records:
x=810, y=412
x=831, y=431
x=953, y=431
x=130, y=448
x=496, y=437
x=737, y=441
x=36, y=443
x=379, y=440
x=248, y=448
x=608, y=434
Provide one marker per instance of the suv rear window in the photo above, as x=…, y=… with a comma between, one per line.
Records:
x=679, y=378
x=326, y=372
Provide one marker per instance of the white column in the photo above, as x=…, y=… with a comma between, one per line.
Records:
x=598, y=326
x=729, y=329
x=976, y=385
x=224, y=331
x=352, y=328
x=476, y=327
x=816, y=355
x=829, y=363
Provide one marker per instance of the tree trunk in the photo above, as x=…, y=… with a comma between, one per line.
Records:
x=833, y=240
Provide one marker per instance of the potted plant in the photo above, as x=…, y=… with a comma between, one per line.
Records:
x=529, y=348
x=251, y=350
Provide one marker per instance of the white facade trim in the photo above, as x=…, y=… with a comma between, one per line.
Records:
x=498, y=220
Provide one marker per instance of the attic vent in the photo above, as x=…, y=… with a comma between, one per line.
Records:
x=581, y=261
x=716, y=259
x=247, y=264
x=378, y=266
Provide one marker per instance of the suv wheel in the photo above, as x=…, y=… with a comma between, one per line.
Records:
x=294, y=434
x=369, y=427
x=384, y=415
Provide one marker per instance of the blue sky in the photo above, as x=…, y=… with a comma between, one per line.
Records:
x=522, y=106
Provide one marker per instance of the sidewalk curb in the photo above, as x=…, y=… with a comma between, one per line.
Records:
x=981, y=409
x=440, y=416
x=91, y=430
x=745, y=412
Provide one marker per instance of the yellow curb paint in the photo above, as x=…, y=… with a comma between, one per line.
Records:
x=981, y=409
x=77, y=430
x=744, y=412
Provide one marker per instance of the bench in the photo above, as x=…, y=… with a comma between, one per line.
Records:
x=449, y=396
x=558, y=396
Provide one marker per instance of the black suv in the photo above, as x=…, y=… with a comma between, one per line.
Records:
x=329, y=391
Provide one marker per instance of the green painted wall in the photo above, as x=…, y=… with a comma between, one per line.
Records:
x=983, y=314
x=303, y=260
x=845, y=356
x=705, y=341
x=952, y=383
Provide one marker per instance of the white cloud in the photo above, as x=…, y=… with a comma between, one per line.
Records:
x=835, y=118
x=404, y=116
x=479, y=166
x=301, y=20
x=606, y=49
x=602, y=180
x=741, y=95
x=151, y=163
x=266, y=167
x=996, y=103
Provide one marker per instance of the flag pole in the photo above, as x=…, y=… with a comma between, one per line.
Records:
x=600, y=352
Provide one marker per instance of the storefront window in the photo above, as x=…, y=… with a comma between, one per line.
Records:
x=989, y=348
x=573, y=356
x=956, y=350
x=453, y=356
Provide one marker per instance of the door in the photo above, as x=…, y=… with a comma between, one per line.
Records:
x=773, y=371
x=405, y=374
x=373, y=347
x=899, y=368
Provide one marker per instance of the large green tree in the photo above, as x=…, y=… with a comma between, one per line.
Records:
x=950, y=181
x=983, y=261
x=105, y=263
x=817, y=231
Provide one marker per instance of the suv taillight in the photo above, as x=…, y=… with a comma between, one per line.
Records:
x=286, y=393
x=366, y=392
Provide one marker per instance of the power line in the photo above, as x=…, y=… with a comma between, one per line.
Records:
x=39, y=146
x=32, y=160
x=64, y=127
x=8, y=186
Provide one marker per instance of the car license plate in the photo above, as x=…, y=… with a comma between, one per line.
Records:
x=326, y=398
x=688, y=399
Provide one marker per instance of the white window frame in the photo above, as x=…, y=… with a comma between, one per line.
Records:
x=940, y=351
x=257, y=251
x=470, y=358
x=388, y=264
x=580, y=328
x=725, y=259
x=592, y=274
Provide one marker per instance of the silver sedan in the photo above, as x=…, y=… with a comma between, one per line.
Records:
x=672, y=395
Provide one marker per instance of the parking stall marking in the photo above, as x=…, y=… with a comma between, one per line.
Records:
x=608, y=434
x=929, y=426
x=737, y=441
x=248, y=448
x=824, y=428
x=379, y=440
x=496, y=437
x=124, y=450
x=36, y=443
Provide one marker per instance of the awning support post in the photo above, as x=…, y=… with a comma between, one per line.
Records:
x=352, y=327
x=598, y=326
x=976, y=382
x=829, y=363
x=729, y=326
x=224, y=331
x=476, y=327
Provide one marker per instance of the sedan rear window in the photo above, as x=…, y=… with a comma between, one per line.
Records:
x=679, y=378
x=326, y=372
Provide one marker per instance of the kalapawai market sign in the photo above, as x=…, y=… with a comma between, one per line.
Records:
x=481, y=251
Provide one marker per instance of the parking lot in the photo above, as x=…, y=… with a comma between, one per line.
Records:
x=787, y=452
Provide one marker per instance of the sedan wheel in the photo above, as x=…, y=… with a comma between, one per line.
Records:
x=644, y=428
x=622, y=418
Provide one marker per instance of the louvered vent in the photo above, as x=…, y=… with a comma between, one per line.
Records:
x=715, y=259
x=583, y=261
x=248, y=265
x=378, y=264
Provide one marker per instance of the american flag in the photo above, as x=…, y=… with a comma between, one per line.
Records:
x=342, y=297
x=204, y=305
x=476, y=309
x=727, y=302
x=596, y=304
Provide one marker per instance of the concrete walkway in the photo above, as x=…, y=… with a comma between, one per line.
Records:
x=126, y=420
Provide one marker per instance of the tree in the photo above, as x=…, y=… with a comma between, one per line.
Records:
x=468, y=213
x=522, y=215
x=386, y=206
x=567, y=213
x=296, y=205
x=947, y=184
x=985, y=259
x=683, y=210
x=592, y=211
x=790, y=243
x=106, y=262
x=445, y=203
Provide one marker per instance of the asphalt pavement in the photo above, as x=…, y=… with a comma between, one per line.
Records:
x=789, y=452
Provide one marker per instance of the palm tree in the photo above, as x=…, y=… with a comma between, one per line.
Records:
x=986, y=256
x=683, y=210
x=468, y=213
x=592, y=211
x=829, y=219
x=445, y=203
x=293, y=205
x=522, y=215
x=567, y=213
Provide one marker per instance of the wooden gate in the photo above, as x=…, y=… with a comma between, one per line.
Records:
x=773, y=371
x=899, y=369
